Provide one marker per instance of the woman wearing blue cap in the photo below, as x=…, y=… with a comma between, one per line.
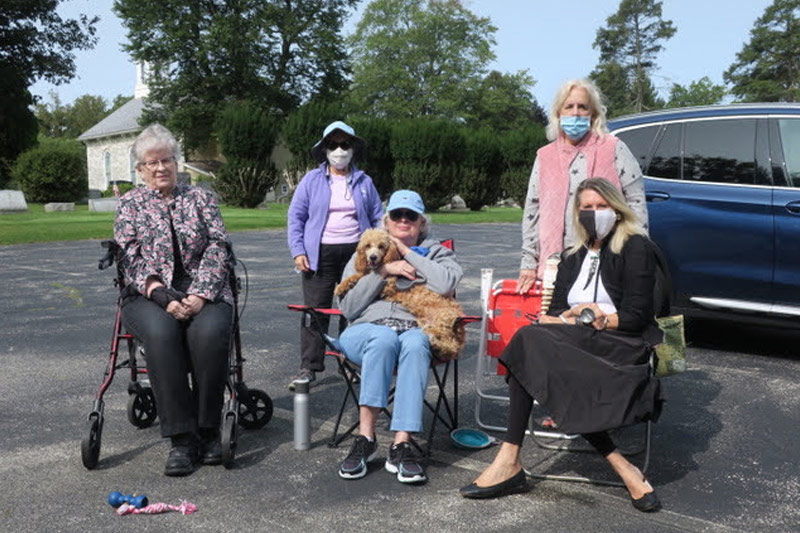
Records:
x=384, y=336
x=331, y=207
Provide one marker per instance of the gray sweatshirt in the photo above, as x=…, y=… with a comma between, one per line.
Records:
x=438, y=271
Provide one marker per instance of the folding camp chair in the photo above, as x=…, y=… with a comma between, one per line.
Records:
x=504, y=312
x=445, y=407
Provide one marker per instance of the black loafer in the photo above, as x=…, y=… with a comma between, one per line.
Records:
x=211, y=452
x=181, y=461
x=513, y=485
x=648, y=503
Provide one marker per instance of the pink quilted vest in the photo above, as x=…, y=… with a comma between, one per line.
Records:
x=554, y=162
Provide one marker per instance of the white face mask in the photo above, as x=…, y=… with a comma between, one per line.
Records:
x=339, y=158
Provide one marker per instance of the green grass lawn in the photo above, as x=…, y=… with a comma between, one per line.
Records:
x=38, y=226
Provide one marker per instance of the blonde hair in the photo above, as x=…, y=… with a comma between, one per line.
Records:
x=155, y=137
x=598, y=109
x=627, y=221
x=423, y=228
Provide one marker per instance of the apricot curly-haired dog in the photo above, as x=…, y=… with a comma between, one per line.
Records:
x=436, y=314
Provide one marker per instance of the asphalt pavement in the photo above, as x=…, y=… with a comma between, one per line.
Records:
x=725, y=450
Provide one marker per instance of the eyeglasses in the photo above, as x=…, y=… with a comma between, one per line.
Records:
x=153, y=164
x=333, y=145
x=398, y=214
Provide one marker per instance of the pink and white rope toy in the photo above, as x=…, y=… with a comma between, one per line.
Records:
x=157, y=508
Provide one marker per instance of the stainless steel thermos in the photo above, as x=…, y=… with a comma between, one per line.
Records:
x=302, y=418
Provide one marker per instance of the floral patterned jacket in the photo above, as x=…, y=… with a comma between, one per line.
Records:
x=142, y=230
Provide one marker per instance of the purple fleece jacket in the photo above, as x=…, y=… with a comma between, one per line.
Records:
x=308, y=211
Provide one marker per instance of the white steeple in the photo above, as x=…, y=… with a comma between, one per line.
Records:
x=142, y=73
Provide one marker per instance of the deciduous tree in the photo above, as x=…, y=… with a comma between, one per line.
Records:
x=418, y=57
x=699, y=92
x=274, y=53
x=767, y=69
x=35, y=43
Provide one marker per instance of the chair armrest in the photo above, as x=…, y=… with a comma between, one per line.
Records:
x=318, y=310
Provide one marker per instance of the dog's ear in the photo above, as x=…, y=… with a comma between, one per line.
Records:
x=392, y=254
x=361, y=260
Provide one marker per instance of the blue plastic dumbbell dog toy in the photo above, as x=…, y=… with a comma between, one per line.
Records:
x=115, y=499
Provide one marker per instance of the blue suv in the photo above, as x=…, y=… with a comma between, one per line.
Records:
x=723, y=194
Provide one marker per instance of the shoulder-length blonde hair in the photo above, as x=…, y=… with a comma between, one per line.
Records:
x=627, y=221
x=595, y=101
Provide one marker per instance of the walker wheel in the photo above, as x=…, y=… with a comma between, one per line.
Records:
x=255, y=409
x=229, y=439
x=90, y=445
x=142, y=408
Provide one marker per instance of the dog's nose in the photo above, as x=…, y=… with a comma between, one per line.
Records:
x=373, y=257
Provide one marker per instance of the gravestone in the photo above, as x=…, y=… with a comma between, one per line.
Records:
x=12, y=202
x=59, y=206
x=103, y=204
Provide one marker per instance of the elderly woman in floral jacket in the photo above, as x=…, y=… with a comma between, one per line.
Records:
x=178, y=299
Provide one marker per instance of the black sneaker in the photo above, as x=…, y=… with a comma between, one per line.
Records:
x=404, y=461
x=363, y=451
x=304, y=376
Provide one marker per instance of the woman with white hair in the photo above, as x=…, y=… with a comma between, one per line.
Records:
x=581, y=148
x=177, y=299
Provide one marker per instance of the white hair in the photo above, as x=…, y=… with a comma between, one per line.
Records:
x=155, y=137
x=598, y=109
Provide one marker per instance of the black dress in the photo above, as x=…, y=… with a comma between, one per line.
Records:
x=590, y=380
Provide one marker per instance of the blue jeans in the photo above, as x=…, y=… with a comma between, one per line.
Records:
x=378, y=350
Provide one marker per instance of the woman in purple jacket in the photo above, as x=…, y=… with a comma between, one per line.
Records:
x=331, y=207
x=177, y=299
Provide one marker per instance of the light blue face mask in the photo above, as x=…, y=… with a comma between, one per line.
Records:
x=575, y=127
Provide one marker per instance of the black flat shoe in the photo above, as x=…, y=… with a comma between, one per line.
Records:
x=648, y=503
x=517, y=483
x=181, y=461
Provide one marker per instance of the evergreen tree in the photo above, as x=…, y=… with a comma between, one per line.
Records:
x=767, y=69
x=632, y=39
x=273, y=53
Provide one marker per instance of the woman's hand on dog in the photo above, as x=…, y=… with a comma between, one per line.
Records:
x=301, y=263
x=398, y=268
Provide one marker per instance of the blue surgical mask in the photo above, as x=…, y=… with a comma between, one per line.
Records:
x=575, y=127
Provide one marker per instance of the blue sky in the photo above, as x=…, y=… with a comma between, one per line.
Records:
x=553, y=40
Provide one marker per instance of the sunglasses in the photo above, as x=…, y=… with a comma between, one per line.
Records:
x=333, y=145
x=398, y=214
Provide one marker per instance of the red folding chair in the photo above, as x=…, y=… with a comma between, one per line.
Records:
x=504, y=312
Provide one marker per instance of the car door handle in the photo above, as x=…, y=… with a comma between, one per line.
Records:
x=655, y=196
x=793, y=207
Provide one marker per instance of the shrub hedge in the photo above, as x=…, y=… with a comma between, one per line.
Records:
x=54, y=171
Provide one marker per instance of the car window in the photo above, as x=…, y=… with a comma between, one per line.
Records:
x=790, y=139
x=639, y=141
x=720, y=151
x=666, y=160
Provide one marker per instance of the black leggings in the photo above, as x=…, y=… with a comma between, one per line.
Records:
x=519, y=414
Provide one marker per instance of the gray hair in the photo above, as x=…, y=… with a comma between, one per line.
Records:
x=595, y=101
x=424, y=228
x=155, y=137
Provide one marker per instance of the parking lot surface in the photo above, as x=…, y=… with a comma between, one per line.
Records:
x=725, y=450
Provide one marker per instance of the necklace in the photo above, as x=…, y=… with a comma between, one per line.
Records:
x=592, y=270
